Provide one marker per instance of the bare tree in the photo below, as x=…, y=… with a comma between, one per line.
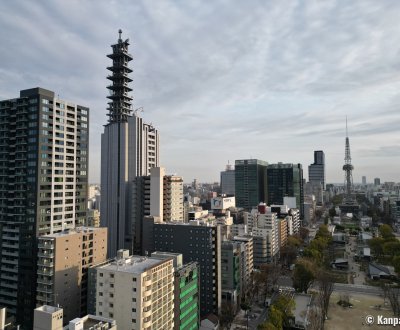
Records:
x=227, y=315
x=394, y=297
x=325, y=282
x=314, y=319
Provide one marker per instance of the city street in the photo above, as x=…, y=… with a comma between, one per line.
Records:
x=358, y=276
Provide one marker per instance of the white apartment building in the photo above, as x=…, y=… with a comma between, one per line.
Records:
x=137, y=292
x=262, y=222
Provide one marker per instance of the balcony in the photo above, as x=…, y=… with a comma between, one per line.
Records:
x=44, y=281
x=44, y=289
x=45, y=263
x=45, y=246
x=46, y=255
x=45, y=272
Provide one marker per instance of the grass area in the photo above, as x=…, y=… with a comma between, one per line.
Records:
x=340, y=277
x=340, y=318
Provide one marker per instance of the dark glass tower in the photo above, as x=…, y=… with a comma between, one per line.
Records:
x=250, y=182
x=285, y=180
x=316, y=171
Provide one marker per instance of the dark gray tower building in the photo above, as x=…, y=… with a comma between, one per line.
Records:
x=129, y=148
x=316, y=171
x=250, y=182
x=349, y=204
x=43, y=187
x=285, y=180
x=316, y=176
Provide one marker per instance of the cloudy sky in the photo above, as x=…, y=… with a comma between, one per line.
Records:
x=225, y=80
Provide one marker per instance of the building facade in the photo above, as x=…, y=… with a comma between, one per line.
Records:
x=200, y=243
x=285, y=180
x=247, y=260
x=228, y=180
x=316, y=171
x=129, y=148
x=157, y=195
x=186, y=297
x=173, y=198
x=43, y=186
x=137, y=292
x=63, y=262
x=250, y=182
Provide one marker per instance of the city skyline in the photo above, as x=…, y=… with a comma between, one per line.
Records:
x=256, y=80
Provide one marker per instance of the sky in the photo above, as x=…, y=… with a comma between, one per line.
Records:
x=224, y=80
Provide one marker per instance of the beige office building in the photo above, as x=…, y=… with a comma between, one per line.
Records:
x=137, y=292
x=48, y=318
x=63, y=262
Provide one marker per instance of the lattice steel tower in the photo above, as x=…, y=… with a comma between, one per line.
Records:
x=349, y=202
x=120, y=106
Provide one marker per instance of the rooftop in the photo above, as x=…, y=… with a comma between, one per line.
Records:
x=302, y=303
x=48, y=309
x=134, y=264
x=74, y=231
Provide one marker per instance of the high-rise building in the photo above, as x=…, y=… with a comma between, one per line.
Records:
x=43, y=186
x=316, y=171
x=364, y=180
x=265, y=225
x=173, y=198
x=377, y=181
x=137, y=292
x=247, y=260
x=157, y=195
x=186, y=291
x=250, y=182
x=198, y=242
x=63, y=262
x=285, y=180
x=231, y=272
x=228, y=180
x=129, y=148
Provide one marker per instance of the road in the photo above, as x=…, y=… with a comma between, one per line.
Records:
x=367, y=289
x=253, y=323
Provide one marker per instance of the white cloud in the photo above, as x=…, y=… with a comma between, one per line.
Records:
x=222, y=80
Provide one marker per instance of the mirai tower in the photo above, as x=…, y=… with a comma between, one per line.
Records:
x=129, y=148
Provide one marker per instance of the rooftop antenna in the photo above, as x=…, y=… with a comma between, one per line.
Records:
x=138, y=110
x=347, y=135
x=120, y=34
